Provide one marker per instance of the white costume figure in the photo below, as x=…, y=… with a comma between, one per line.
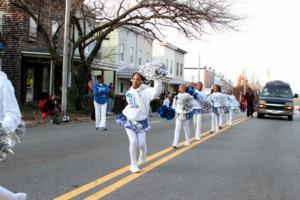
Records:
x=136, y=124
x=199, y=99
x=231, y=104
x=217, y=100
x=183, y=105
x=10, y=118
x=166, y=101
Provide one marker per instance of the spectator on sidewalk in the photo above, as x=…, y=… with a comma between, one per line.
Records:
x=10, y=118
x=101, y=92
x=249, y=97
x=111, y=99
x=51, y=107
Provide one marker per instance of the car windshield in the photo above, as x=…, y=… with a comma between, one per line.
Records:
x=283, y=92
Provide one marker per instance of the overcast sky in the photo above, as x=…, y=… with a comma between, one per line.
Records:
x=268, y=40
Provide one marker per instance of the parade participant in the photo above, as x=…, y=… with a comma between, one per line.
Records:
x=231, y=104
x=135, y=117
x=10, y=118
x=183, y=105
x=217, y=102
x=101, y=92
x=200, y=98
x=167, y=101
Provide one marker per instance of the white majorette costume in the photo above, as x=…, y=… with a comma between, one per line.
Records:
x=183, y=105
x=199, y=99
x=10, y=119
x=217, y=100
x=134, y=117
x=231, y=104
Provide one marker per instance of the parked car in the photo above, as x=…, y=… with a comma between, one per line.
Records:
x=276, y=99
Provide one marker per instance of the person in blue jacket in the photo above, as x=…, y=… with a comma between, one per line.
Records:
x=101, y=92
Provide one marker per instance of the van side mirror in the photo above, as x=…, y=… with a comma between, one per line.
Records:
x=295, y=96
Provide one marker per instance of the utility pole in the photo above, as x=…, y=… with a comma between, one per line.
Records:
x=199, y=68
x=245, y=81
x=66, y=56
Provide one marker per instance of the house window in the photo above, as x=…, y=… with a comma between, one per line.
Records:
x=32, y=30
x=177, y=69
x=171, y=68
x=1, y=22
x=148, y=57
x=167, y=63
x=122, y=52
x=140, y=57
x=131, y=54
x=122, y=87
x=181, y=69
x=193, y=78
x=54, y=27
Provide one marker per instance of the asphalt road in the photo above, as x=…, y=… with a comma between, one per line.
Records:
x=254, y=159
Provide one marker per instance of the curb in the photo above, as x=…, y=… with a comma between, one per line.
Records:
x=34, y=124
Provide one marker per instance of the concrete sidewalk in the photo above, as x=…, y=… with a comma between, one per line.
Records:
x=47, y=122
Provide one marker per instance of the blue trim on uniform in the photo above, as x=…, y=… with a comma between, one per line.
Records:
x=198, y=111
x=189, y=115
x=136, y=126
x=215, y=110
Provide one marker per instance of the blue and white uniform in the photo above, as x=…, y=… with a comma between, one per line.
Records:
x=134, y=119
x=10, y=118
x=199, y=99
x=218, y=101
x=101, y=92
x=183, y=105
x=231, y=104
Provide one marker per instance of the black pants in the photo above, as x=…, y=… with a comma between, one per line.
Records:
x=249, y=109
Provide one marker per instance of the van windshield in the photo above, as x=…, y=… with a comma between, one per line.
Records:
x=283, y=92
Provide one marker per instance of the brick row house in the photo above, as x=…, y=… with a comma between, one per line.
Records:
x=28, y=64
x=24, y=56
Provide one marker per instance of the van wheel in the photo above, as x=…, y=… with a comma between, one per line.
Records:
x=290, y=118
x=259, y=115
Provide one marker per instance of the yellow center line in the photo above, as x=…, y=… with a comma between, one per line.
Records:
x=118, y=172
x=109, y=189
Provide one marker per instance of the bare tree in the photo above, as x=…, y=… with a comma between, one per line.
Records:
x=189, y=17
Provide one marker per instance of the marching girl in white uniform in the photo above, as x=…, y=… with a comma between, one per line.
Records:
x=231, y=103
x=135, y=117
x=183, y=105
x=10, y=118
x=200, y=98
x=217, y=100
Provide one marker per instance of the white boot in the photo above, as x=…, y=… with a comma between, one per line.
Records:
x=134, y=169
x=8, y=195
x=142, y=158
x=21, y=196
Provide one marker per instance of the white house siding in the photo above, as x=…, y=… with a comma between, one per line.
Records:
x=144, y=44
x=137, y=41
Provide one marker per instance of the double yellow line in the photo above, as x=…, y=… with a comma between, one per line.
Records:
x=105, y=191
